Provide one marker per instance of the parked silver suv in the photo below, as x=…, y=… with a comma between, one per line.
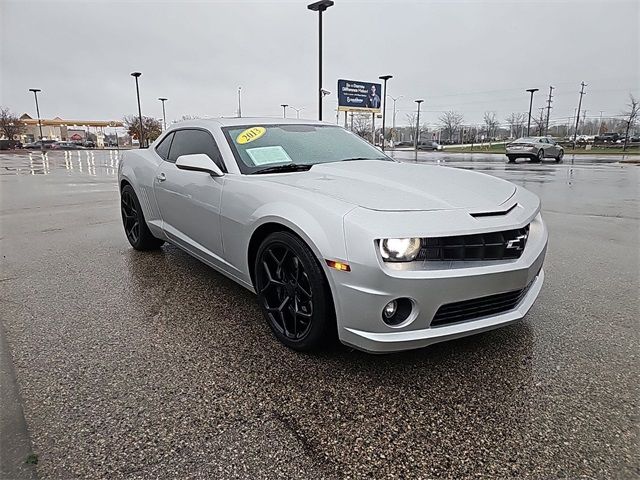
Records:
x=534, y=148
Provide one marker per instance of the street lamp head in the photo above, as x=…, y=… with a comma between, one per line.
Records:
x=162, y=99
x=136, y=74
x=419, y=101
x=34, y=90
x=532, y=90
x=284, y=105
x=325, y=92
x=385, y=77
x=320, y=6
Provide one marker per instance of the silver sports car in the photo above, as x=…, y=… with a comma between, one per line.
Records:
x=534, y=148
x=336, y=238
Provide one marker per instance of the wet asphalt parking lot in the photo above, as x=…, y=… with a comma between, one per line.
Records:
x=152, y=365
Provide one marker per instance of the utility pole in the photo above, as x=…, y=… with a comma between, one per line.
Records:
x=546, y=128
x=600, y=127
x=239, y=103
x=575, y=132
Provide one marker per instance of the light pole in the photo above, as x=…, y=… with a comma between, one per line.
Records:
x=417, y=140
x=320, y=7
x=164, y=115
x=394, y=116
x=532, y=91
x=239, y=103
x=298, y=110
x=35, y=95
x=384, y=106
x=284, y=110
x=136, y=75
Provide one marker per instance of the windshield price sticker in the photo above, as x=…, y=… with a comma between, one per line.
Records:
x=250, y=134
x=268, y=155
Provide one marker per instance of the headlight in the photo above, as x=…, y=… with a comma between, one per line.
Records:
x=399, y=249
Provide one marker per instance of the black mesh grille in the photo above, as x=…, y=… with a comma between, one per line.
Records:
x=478, y=307
x=505, y=245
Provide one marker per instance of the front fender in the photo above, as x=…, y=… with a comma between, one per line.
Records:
x=247, y=205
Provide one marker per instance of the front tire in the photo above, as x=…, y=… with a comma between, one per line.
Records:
x=135, y=226
x=293, y=292
x=511, y=158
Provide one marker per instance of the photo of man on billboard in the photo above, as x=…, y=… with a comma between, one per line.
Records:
x=373, y=100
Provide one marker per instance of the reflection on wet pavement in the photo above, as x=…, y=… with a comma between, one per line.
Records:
x=89, y=162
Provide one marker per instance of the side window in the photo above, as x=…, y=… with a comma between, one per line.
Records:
x=187, y=142
x=163, y=147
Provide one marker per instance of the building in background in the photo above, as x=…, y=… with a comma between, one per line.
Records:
x=66, y=130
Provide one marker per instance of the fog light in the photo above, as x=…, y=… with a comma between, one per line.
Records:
x=390, y=309
x=397, y=311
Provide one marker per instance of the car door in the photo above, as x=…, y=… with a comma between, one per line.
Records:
x=544, y=144
x=554, y=149
x=189, y=201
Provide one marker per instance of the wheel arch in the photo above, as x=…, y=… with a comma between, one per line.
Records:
x=262, y=231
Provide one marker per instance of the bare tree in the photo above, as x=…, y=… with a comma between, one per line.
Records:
x=632, y=118
x=362, y=125
x=539, y=122
x=10, y=124
x=151, y=127
x=451, y=122
x=516, y=122
x=490, y=124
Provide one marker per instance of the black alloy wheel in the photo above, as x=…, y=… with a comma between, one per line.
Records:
x=135, y=226
x=293, y=292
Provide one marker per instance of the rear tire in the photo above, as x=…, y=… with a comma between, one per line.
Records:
x=293, y=292
x=135, y=226
x=538, y=158
x=560, y=155
x=511, y=158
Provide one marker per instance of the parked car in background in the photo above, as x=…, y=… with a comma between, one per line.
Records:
x=68, y=146
x=534, y=148
x=610, y=137
x=89, y=144
x=429, y=145
x=10, y=144
x=37, y=145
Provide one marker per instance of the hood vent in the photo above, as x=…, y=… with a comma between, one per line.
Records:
x=494, y=214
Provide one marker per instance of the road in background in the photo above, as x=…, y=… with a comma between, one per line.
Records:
x=139, y=365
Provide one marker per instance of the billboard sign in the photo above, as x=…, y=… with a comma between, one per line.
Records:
x=359, y=96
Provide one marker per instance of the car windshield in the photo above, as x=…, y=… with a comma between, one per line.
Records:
x=526, y=140
x=258, y=147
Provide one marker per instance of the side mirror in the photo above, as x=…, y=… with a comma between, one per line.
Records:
x=198, y=162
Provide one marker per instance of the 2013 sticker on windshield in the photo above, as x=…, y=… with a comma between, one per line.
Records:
x=250, y=134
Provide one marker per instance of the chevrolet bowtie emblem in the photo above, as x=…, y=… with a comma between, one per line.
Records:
x=517, y=243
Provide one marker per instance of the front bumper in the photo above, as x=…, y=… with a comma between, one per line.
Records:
x=360, y=296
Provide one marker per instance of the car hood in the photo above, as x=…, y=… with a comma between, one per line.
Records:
x=389, y=186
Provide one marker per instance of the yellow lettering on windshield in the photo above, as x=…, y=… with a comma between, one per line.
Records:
x=250, y=134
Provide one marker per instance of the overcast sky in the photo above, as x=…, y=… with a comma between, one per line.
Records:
x=468, y=56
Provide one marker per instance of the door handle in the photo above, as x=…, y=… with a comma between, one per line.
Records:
x=161, y=177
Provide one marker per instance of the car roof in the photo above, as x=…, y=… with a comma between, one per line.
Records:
x=235, y=121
